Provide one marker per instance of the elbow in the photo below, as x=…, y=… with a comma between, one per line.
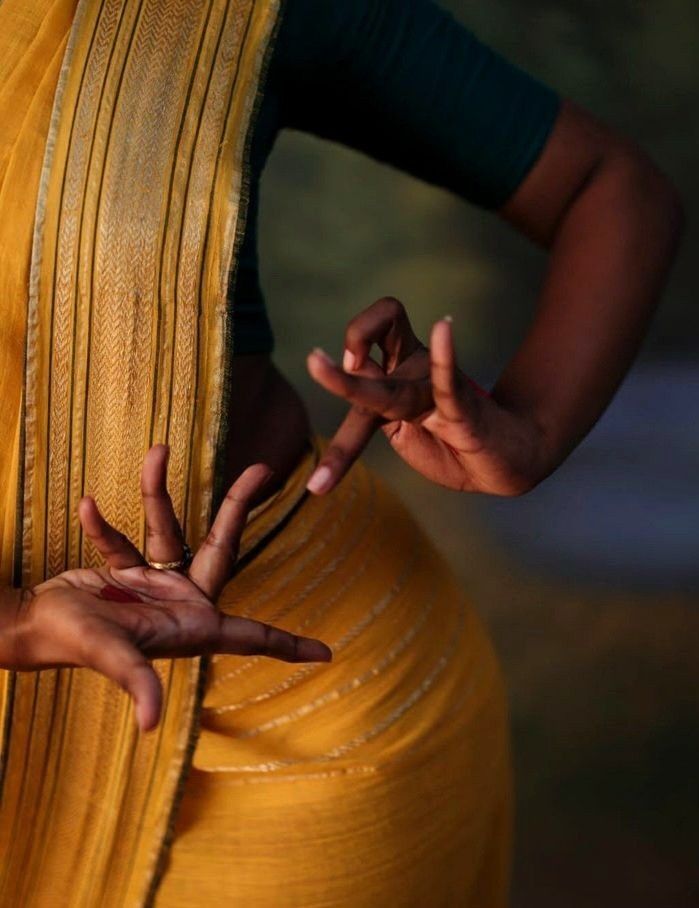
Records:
x=652, y=194
x=667, y=200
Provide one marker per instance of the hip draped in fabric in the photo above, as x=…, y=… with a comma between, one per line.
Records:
x=380, y=778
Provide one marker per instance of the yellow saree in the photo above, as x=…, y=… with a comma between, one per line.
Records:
x=123, y=128
x=381, y=778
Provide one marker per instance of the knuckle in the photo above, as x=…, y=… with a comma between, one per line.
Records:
x=392, y=385
x=267, y=640
x=238, y=498
x=214, y=540
x=442, y=394
x=335, y=454
x=393, y=307
x=224, y=546
x=279, y=643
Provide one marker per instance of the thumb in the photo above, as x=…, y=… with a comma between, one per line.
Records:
x=119, y=660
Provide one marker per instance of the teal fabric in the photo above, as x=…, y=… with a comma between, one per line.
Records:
x=403, y=82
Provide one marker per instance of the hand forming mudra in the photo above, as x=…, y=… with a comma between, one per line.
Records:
x=114, y=619
x=435, y=417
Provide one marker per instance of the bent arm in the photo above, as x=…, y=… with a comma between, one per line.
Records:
x=612, y=222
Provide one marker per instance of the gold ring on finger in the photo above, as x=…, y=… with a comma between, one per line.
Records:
x=181, y=565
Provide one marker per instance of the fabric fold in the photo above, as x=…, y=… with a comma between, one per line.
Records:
x=123, y=151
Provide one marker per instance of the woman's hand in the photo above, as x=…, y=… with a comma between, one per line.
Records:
x=436, y=418
x=116, y=618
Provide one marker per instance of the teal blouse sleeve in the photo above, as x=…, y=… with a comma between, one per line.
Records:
x=405, y=82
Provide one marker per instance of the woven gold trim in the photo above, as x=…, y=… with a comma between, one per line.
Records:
x=138, y=223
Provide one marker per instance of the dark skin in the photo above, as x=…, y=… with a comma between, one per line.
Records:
x=611, y=222
x=66, y=621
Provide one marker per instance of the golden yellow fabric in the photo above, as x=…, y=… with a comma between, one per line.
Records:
x=381, y=778
x=123, y=138
x=32, y=44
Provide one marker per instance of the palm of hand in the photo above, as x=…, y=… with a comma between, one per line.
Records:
x=114, y=619
x=156, y=609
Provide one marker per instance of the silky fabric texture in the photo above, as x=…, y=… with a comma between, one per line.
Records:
x=87, y=803
x=124, y=129
x=32, y=44
x=381, y=778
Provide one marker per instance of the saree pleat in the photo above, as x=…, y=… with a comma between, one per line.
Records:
x=381, y=778
x=124, y=128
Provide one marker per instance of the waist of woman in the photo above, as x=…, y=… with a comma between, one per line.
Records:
x=268, y=423
x=410, y=657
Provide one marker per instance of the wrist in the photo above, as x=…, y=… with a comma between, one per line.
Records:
x=541, y=430
x=526, y=447
x=14, y=626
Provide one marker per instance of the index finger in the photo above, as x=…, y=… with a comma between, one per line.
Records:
x=389, y=397
x=246, y=636
x=353, y=435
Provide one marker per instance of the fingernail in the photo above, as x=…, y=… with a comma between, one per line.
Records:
x=448, y=318
x=320, y=480
x=349, y=361
x=323, y=355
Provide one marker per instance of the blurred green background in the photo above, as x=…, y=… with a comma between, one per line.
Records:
x=589, y=584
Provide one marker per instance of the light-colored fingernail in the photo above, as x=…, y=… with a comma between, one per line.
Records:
x=349, y=361
x=448, y=318
x=323, y=355
x=320, y=480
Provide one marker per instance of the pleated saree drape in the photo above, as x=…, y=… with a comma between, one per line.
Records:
x=381, y=778
x=123, y=132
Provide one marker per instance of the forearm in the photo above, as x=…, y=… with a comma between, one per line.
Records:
x=610, y=254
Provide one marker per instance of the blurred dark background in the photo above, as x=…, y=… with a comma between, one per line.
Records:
x=590, y=583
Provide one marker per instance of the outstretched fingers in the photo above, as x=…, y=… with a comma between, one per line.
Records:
x=444, y=372
x=116, y=549
x=353, y=435
x=164, y=537
x=213, y=563
x=388, y=397
x=457, y=418
x=245, y=636
x=455, y=395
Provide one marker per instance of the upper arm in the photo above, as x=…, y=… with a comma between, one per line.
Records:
x=406, y=83
x=581, y=150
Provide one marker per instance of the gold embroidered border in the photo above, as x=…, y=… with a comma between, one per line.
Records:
x=140, y=216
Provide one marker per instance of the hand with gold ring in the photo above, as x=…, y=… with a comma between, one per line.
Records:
x=117, y=618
